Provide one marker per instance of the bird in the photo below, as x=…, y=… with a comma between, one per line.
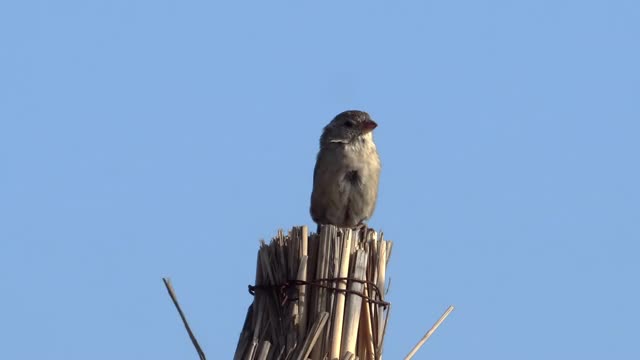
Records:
x=347, y=172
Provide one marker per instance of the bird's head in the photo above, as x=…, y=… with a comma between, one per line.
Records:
x=347, y=127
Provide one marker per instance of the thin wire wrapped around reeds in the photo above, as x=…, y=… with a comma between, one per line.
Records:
x=318, y=296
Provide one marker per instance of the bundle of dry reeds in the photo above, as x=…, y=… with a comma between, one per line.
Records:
x=318, y=296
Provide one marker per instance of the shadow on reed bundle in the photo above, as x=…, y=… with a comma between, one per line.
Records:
x=318, y=296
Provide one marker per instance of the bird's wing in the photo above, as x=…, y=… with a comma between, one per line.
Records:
x=326, y=194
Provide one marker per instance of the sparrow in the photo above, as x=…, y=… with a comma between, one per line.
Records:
x=347, y=172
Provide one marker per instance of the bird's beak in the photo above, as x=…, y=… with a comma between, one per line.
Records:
x=368, y=126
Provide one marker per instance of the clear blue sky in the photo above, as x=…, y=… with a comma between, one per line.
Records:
x=141, y=139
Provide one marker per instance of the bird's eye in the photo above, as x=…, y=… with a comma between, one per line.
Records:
x=348, y=123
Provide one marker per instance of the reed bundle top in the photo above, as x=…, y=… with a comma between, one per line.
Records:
x=318, y=296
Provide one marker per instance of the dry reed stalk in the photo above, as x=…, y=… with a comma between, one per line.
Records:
x=314, y=333
x=336, y=330
x=264, y=350
x=302, y=275
x=429, y=333
x=174, y=298
x=308, y=303
x=384, y=253
x=354, y=305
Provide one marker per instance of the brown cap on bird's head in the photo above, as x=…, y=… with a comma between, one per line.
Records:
x=348, y=126
x=357, y=118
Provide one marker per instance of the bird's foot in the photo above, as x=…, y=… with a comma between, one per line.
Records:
x=363, y=229
x=360, y=226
